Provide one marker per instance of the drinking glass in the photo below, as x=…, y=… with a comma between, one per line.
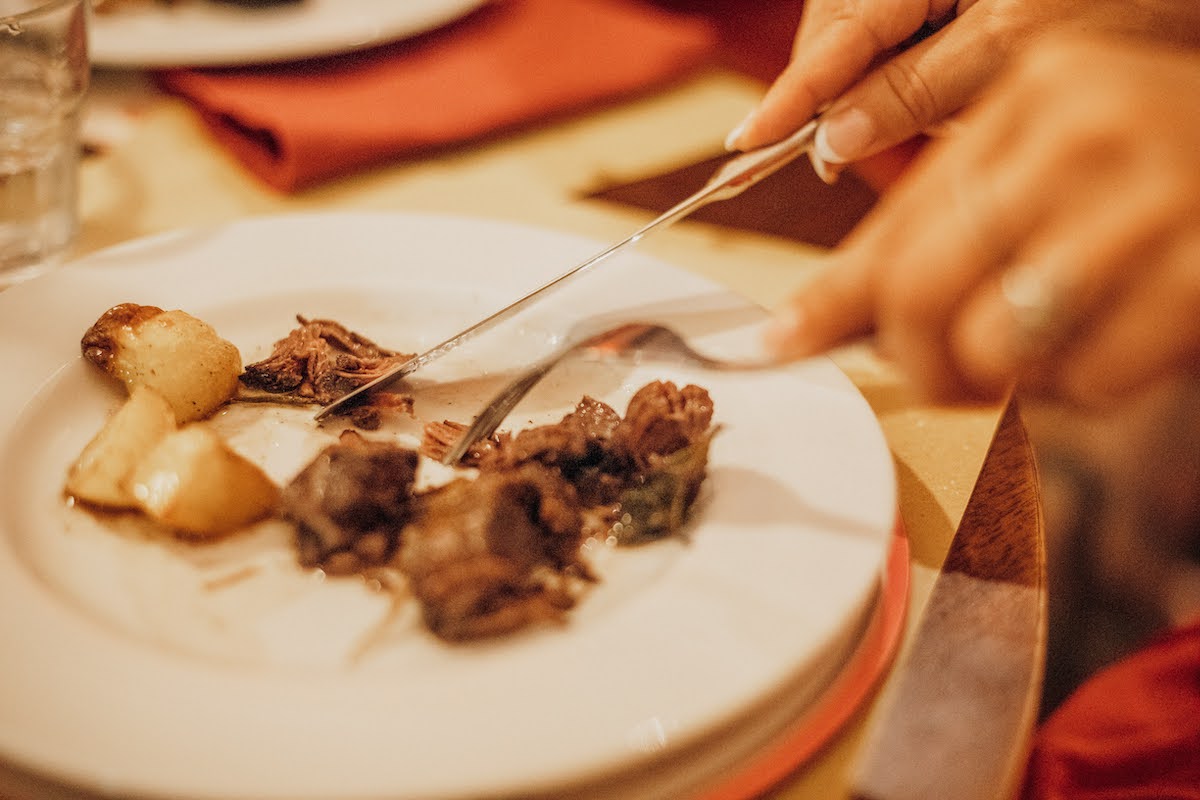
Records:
x=44, y=73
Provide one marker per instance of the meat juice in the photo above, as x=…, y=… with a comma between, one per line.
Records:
x=39, y=159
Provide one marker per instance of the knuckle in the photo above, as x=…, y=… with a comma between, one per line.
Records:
x=859, y=24
x=1088, y=146
x=913, y=92
x=1090, y=139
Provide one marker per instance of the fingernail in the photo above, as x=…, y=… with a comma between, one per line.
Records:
x=736, y=133
x=843, y=136
x=825, y=171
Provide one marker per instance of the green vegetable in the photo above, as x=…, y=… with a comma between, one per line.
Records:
x=657, y=505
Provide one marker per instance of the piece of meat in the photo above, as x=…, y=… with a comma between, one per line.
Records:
x=621, y=468
x=438, y=437
x=368, y=414
x=350, y=504
x=661, y=419
x=574, y=442
x=319, y=362
x=491, y=555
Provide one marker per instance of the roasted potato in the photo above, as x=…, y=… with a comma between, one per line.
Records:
x=178, y=355
x=193, y=482
x=99, y=475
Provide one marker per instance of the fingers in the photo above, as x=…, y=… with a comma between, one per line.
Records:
x=911, y=92
x=948, y=228
x=1108, y=241
x=1049, y=244
x=1079, y=259
x=836, y=306
x=1148, y=334
x=939, y=241
x=909, y=267
x=837, y=41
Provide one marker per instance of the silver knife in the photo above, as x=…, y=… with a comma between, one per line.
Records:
x=734, y=177
x=958, y=711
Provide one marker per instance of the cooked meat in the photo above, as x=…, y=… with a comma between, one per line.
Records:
x=636, y=477
x=319, y=362
x=350, y=503
x=574, y=442
x=368, y=414
x=661, y=419
x=438, y=437
x=488, y=555
x=485, y=555
x=494, y=554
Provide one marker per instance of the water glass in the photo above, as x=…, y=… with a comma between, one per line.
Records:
x=44, y=72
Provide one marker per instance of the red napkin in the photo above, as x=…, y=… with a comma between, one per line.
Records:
x=1131, y=732
x=511, y=63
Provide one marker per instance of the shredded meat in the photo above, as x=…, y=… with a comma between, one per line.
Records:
x=319, y=362
x=438, y=437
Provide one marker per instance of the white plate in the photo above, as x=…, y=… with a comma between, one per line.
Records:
x=202, y=33
x=144, y=668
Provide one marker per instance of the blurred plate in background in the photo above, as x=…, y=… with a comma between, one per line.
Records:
x=207, y=33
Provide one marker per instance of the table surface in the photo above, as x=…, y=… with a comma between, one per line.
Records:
x=159, y=170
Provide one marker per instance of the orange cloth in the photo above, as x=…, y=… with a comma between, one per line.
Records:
x=1130, y=732
x=511, y=63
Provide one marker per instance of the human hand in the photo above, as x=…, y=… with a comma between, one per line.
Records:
x=851, y=53
x=1052, y=242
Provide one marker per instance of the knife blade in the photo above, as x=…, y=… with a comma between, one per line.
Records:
x=958, y=710
x=731, y=179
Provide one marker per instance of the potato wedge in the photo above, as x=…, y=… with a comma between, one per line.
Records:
x=193, y=482
x=99, y=475
x=180, y=356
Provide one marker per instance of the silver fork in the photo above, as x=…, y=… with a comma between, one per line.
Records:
x=633, y=341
